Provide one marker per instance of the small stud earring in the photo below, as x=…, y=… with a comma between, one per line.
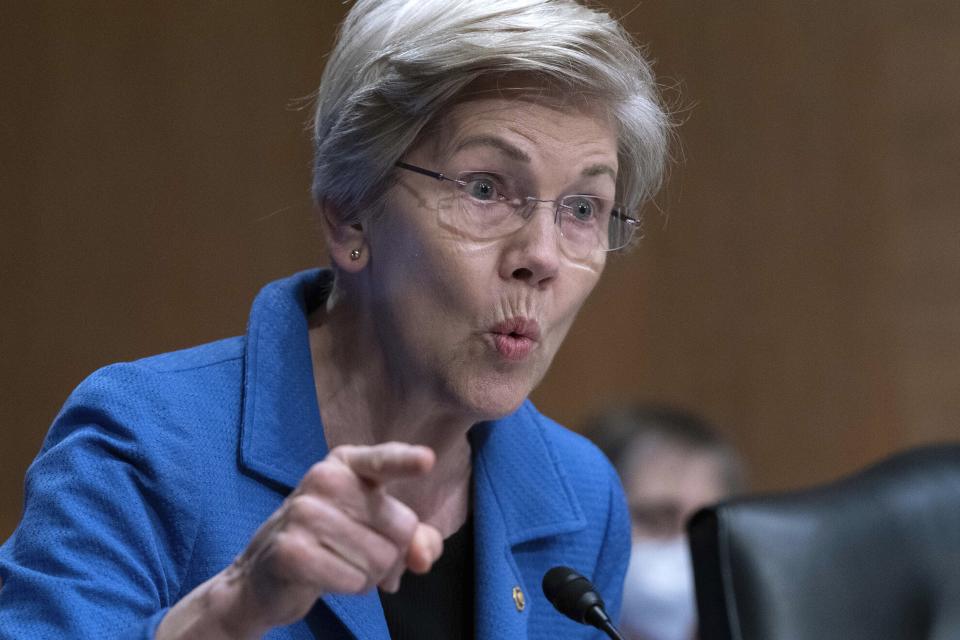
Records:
x=355, y=254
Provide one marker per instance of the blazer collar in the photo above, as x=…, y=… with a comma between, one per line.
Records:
x=281, y=434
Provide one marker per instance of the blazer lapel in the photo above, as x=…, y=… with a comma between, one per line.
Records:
x=519, y=495
x=281, y=434
x=361, y=614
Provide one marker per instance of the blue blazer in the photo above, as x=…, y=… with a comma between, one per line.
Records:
x=156, y=474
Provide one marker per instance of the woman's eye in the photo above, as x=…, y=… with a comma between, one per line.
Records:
x=582, y=208
x=482, y=189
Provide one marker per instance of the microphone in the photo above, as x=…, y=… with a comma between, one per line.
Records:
x=573, y=596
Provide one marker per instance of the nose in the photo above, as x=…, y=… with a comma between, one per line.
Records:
x=532, y=253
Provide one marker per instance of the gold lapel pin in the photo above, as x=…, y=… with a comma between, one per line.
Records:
x=518, y=598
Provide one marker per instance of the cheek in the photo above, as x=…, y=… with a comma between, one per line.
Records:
x=578, y=284
x=430, y=280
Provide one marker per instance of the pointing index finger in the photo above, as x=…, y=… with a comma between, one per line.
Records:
x=384, y=462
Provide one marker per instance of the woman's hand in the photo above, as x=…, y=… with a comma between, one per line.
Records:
x=340, y=531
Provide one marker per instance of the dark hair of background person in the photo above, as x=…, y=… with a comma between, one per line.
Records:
x=621, y=431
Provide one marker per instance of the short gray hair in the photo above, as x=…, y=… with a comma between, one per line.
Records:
x=398, y=63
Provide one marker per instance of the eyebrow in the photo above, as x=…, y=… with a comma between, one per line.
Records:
x=512, y=152
x=515, y=153
x=599, y=170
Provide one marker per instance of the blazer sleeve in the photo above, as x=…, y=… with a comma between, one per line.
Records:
x=109, y=518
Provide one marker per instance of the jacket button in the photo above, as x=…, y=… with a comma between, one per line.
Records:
x=518, y=599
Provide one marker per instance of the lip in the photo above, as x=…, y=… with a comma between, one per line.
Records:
x=516, y=338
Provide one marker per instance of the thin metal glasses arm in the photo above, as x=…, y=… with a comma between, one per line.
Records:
x=425, y=172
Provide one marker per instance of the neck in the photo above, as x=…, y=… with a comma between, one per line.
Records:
x=363, y=403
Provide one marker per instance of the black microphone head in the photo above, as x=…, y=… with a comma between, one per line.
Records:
x=572, y=595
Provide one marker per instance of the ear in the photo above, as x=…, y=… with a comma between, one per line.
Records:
x=346, y=243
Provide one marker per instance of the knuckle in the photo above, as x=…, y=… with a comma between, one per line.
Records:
x=301, y=509
x=289, y=553
x=342, y=453
x=321, y=476
x=363, y=585
x=383, y=558
x=378, y=461
x=352, y=582
x=391, y=581
x=405, y=523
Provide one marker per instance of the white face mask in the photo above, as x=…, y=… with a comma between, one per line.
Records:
x=658, y=596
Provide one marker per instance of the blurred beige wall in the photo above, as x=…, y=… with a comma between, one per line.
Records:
x=800, y=285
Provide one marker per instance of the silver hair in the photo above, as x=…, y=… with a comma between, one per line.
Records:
x=398, y=63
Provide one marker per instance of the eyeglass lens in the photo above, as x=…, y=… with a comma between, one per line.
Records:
x=586, y=223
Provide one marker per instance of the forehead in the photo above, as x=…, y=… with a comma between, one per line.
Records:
x=668, y=473
x=525, y=129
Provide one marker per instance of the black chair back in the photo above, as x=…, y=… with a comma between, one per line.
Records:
x=875, y=556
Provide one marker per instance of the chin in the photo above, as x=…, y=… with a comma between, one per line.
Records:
x=492, y=399
x=495, y=411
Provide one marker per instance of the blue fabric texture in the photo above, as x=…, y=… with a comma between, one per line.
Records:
x=156, y=473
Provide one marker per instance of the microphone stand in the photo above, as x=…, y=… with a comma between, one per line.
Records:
x=610, y=630
x=597, y=617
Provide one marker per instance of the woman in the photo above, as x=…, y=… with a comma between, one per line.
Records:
x=469, y=161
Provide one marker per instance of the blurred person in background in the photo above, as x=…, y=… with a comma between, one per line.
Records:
x=671, y=462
